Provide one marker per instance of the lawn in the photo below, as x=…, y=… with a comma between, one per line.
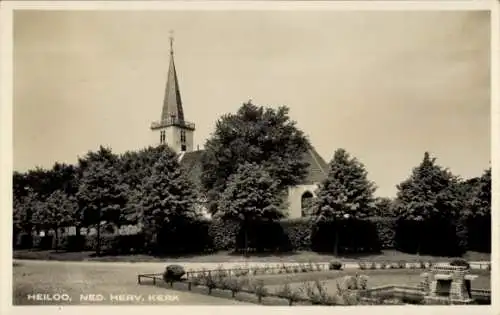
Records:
x=95, y=278
x=76, y=278
x=225, y=257
x=375, y=278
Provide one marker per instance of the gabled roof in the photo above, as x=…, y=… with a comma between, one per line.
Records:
x=317, y=170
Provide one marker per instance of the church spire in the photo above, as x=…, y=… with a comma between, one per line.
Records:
x=172, y=103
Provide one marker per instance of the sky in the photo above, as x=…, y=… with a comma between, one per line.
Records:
x=384, y=85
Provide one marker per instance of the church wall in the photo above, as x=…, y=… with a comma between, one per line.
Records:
x=295, y=199
x=173, y=140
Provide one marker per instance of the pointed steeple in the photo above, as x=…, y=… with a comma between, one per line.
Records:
x=172, y=113
x=172, y=103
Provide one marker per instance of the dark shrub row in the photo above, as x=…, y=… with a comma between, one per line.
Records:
x=359, y=236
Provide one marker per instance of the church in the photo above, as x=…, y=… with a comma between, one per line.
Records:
x=175, y=131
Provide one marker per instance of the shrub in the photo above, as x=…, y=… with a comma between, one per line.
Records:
x=422, y=264
x=259, y=289
x=286, y=292
x=223, y=234
x=197, y=279
x=460, y=263
x=350, y=283
x=24, y=241
x=386, y=231
x=234, y=284
x=317, y=293
x=173, y=273
x=210, y=281
x=45, y=242
x=335, y=265
x=74, y=243
x=361, y=282
x=298, y=233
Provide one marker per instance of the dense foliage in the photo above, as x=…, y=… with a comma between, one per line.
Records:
x=346, y=192
x=251, y=157
x=255, y=134
x=167, y=200
x=345, y=195
x=429, y=205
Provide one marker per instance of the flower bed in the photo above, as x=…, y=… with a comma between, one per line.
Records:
x=220, y=283
x=245, y=283
x=269, y=269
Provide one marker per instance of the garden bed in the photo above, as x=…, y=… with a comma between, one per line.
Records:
x=306, y=284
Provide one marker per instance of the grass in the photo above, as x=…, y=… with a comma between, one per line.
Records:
x=46, y=277
x=224, y=257
x=375, y=278
x=91, y=278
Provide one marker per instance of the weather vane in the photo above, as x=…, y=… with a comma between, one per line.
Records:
x=171, y=37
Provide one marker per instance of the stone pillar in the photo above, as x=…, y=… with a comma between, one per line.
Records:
x=458, y=290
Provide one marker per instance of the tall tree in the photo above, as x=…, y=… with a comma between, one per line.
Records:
x=168, y=197
x=478, y=215
x=23, y=209
x=101, y=195
x=480, y=203
x=254, y=134
x=251, y=195
x=345, y=193
x=431, y=192
x=135, y=166
x=58, y=210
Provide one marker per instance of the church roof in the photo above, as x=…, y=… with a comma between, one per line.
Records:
x=316, y=173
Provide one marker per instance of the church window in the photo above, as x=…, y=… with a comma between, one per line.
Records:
x=183, y=136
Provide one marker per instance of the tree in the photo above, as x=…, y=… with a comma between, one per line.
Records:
x=57, y=211
x=383, y=207
x=135, y=166
x=168, y=197
x=430, y=193
x=251, y=195
x=345, y=193
x=23, y=209
x=480, y=203
x=254, y=134
x=478, y=214
x=101, y=194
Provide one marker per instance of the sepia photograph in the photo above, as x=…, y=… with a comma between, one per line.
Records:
x=251, y=157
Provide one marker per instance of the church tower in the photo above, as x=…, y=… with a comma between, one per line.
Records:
x=172, y=129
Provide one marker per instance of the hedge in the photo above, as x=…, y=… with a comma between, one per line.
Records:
x=438, y=237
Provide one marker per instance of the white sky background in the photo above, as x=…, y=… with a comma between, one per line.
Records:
x=386, y=86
